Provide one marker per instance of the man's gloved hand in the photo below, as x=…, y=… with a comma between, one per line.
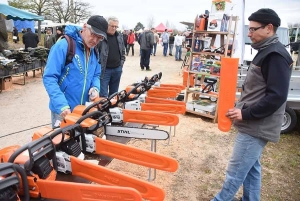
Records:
x=93, y=93
x=65, y=113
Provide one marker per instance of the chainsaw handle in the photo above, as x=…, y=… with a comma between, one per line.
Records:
x=102, y=102
x=156, y=77
x=208, y=88
x=142, y=85
x=94, y=113
x=120, y=96
x=12, y=170
x=36, y=150
x=62, y=131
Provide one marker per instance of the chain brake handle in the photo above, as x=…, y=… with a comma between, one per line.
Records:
x=36, y=149
x=104, y=103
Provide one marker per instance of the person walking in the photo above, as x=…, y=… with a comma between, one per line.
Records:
x=178, y=47
x=79, y=81
x=156, y=40
x=146, y=42
x=259, y=113
x=125, y=38
x=15, y=34
x=165, y=41
x=112, y=59
x=130, y=42
x=49, y=39
x=30, y=39
x=171, y=43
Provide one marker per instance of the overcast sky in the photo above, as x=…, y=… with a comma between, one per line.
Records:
x=130, y=12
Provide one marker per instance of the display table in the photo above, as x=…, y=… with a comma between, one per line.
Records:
x=20, y=70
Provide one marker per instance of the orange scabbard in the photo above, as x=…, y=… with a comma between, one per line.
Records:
x=167, y=88
x=106, y=176
x=179, y=86
x=149, y=117
x=163, y=101
x=227, y=91
x=162, y=93
x=71, y=191
x=135, y=155
x=168, y=108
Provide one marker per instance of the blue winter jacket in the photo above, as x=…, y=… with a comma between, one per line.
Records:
x=68, y=86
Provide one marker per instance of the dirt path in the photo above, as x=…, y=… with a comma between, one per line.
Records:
x=200, y=148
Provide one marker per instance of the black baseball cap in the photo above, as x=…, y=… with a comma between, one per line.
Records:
x=98, y=24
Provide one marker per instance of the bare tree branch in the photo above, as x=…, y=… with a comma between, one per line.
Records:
x=151, y=21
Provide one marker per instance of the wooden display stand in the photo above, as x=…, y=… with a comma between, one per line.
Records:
x=205, y=69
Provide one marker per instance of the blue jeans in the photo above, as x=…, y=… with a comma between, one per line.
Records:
x=244, y=168
x=109, y=84
x=55, y=117
x=178, y=52
x=165, y=49
x=171, y=48
x=154, y=49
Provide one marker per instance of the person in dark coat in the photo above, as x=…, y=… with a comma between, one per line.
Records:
x=15, y=35
x=125, y=37
x=59, y=33
x=3, y=35
x=30, y=39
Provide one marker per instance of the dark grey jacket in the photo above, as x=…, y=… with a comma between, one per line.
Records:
x=103, y=52
x=147, y=40
x=264, y=93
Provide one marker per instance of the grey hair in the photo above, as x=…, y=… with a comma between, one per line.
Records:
x=112, y=18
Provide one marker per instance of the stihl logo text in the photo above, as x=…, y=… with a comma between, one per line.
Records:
x=123, y=132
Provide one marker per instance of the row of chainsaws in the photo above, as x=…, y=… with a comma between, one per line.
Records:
x=30, y=171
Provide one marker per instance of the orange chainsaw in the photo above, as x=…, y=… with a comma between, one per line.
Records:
x=38, y=160
x=130, y=116
x=91, y=143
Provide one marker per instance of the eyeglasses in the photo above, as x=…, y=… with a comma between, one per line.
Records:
x=93, y=34
x=114, y=27
x=253, y=29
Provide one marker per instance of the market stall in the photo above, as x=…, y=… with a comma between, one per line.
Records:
x=18, y=62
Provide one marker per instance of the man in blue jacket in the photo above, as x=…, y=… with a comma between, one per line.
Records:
x=79, y=81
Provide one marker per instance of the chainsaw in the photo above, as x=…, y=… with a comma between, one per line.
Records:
x=39, y=161
x=88, y=142
x=132, y=116
x=72, y=142
x=131, y=101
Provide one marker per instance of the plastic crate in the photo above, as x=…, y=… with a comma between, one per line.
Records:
x=21, y=68
x=28, y=66
x=37, y=64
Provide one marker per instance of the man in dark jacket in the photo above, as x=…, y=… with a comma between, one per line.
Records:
x=259, y=113
x=30, y=39
x=112, y=58
x=146, y=42
x=125, y=38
